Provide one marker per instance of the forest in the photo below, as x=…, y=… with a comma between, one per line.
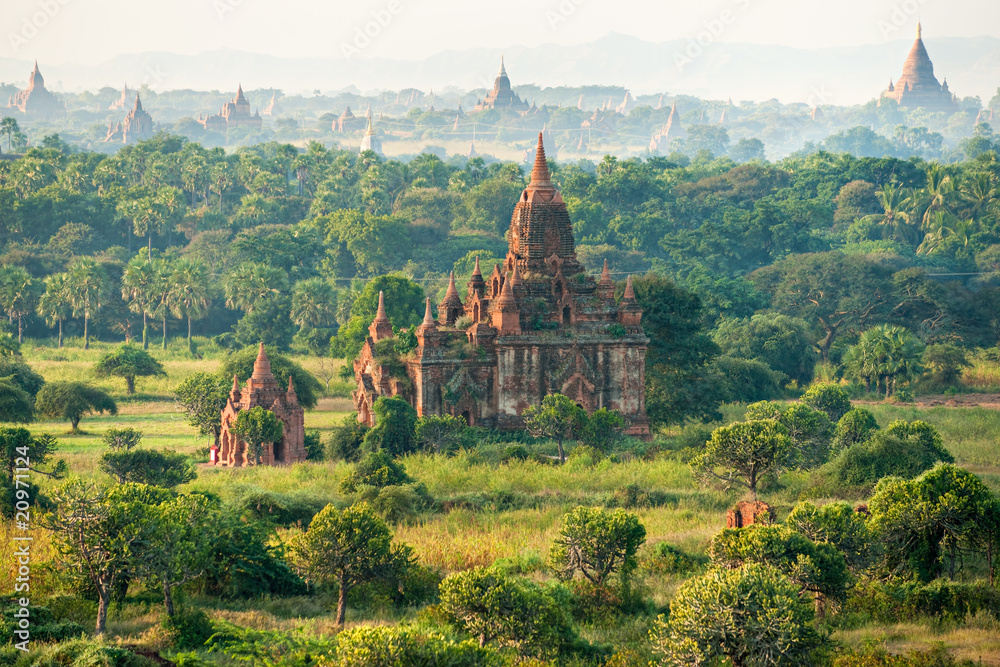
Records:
x=823, y=345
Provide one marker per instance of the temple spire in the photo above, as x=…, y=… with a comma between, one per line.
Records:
x=503, y=70
x=629, y=290
x=515, y=276
x=476, y=271
x=919, y=31
x=452, y=290
x=428, y=315
x=236, y=384
x=540, y=177
x=262, y=365
x=380, y=327
x=380, y=315
x=605, y=274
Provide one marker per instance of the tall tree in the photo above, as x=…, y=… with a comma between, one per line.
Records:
x=56, y=302
x=190, y=287
x=141, y=288
x=88, y=285
x=314, y=303
x=19, y=295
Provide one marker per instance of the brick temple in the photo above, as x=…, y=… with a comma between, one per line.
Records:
x=262, y=390
x=918, y=87
x=36, y=101
x=233, y=114
x=535, y=326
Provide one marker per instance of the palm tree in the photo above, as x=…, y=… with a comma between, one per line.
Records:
x=979, y=192
x=56, y=303
x=140, y=288
x=190, y=286
x=193, y=175
x=9, y=128
x=88, y=286
x=18, y=295
x=162, y=294
x=314, y=303
x=222, y=176
x=148, y=215
x=251, y=283
x=885, y=355
x=935, y=197
x=894, y=219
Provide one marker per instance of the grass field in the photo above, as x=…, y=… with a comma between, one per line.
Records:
x=459, y=537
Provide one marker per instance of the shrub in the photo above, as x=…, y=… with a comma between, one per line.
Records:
x=244, y=566
x=748, y=380
x=394, y=430
x=494, y=606
x=752, y=615
x=902, y=601
x=634, y=496
x=315, y=451
x=45, y=627
x=901, y=450
x=664, y=558
x=376, y=469
x=71, y=401
x=282, y=509
x=830, y=398
x=872, y=655
x=345, y=441
x=89, y=653
x=368, y=646
x=128, y=362
x=189, y=629
x=855, y=426
x=597, y=543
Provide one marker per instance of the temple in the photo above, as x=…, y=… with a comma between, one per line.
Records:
x=36, y=101
x=262, y=390
x=535, y=326
x=918, y=87
x=660, y=143
x=502, y=97
x=233, y=114
x=121, y=104
x=137, y=126
x=371, y=142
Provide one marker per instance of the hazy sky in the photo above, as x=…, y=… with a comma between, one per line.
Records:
x=91, y=31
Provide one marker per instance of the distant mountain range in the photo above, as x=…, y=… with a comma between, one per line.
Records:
x=840, y=76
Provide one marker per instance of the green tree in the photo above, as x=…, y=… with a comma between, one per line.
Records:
x=404, y=305
x=376, y=469
x=603, y=430
x=925, y=523
x=202, y=396
x=128, y=362
x=440, y=435
x=830, y=398
x=16, y=405
x=179, y=546
x=140, y=287
x=348, y=548
x=366, y=646
x=190, y=292
x=857, y=425
x=395, y=425
x=839, y=525
x=679, y=385
x=251, y=285
x=597, y=543
x=901, y=449
x=56, y=302
x=314, y=303
x=493, y=606
x=945, y=362
x=751, y=616
x=122, y=438
x=819, y=568
x=837, y=292
x=557, y=418
x=19, y=449
x=782, y=342
x=10, y=129
x=71, y=401
x=95, y=532
x=19, y=295
x=88, y=287
x=884, y=357
x=257, y=427
x=744, y=453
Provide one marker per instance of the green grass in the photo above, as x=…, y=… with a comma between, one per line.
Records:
x=461, y=537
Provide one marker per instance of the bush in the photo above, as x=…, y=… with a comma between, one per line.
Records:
x=398, y=502
x=244, y=566
x=315, y=451
x=830, y=398
x=45, y=627
x=901, y=449
x=382, y=646
x=877, y=656
x=89, y=653
x=902, y=601
x=21, y=374
x=147, y=466
x=378, y=470
x=281, y=509
x=395, y=425
x=664, y=558
x=854, y=427
x=634, y=496
x=189, y=629
x=747, y=380
x=345, y=441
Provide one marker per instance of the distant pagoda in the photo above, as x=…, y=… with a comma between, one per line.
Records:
x=918, y=87
x=137, y=126
x=502, y=97
x=233, y=114
x=36, y=101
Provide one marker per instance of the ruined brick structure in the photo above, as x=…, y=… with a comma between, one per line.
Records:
x=535, y=326
x=262, y=390
x=137, y=126
x=747, y=513
x=233, y=114
x=502, y=97
x=36, y=101
x=918, y=87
